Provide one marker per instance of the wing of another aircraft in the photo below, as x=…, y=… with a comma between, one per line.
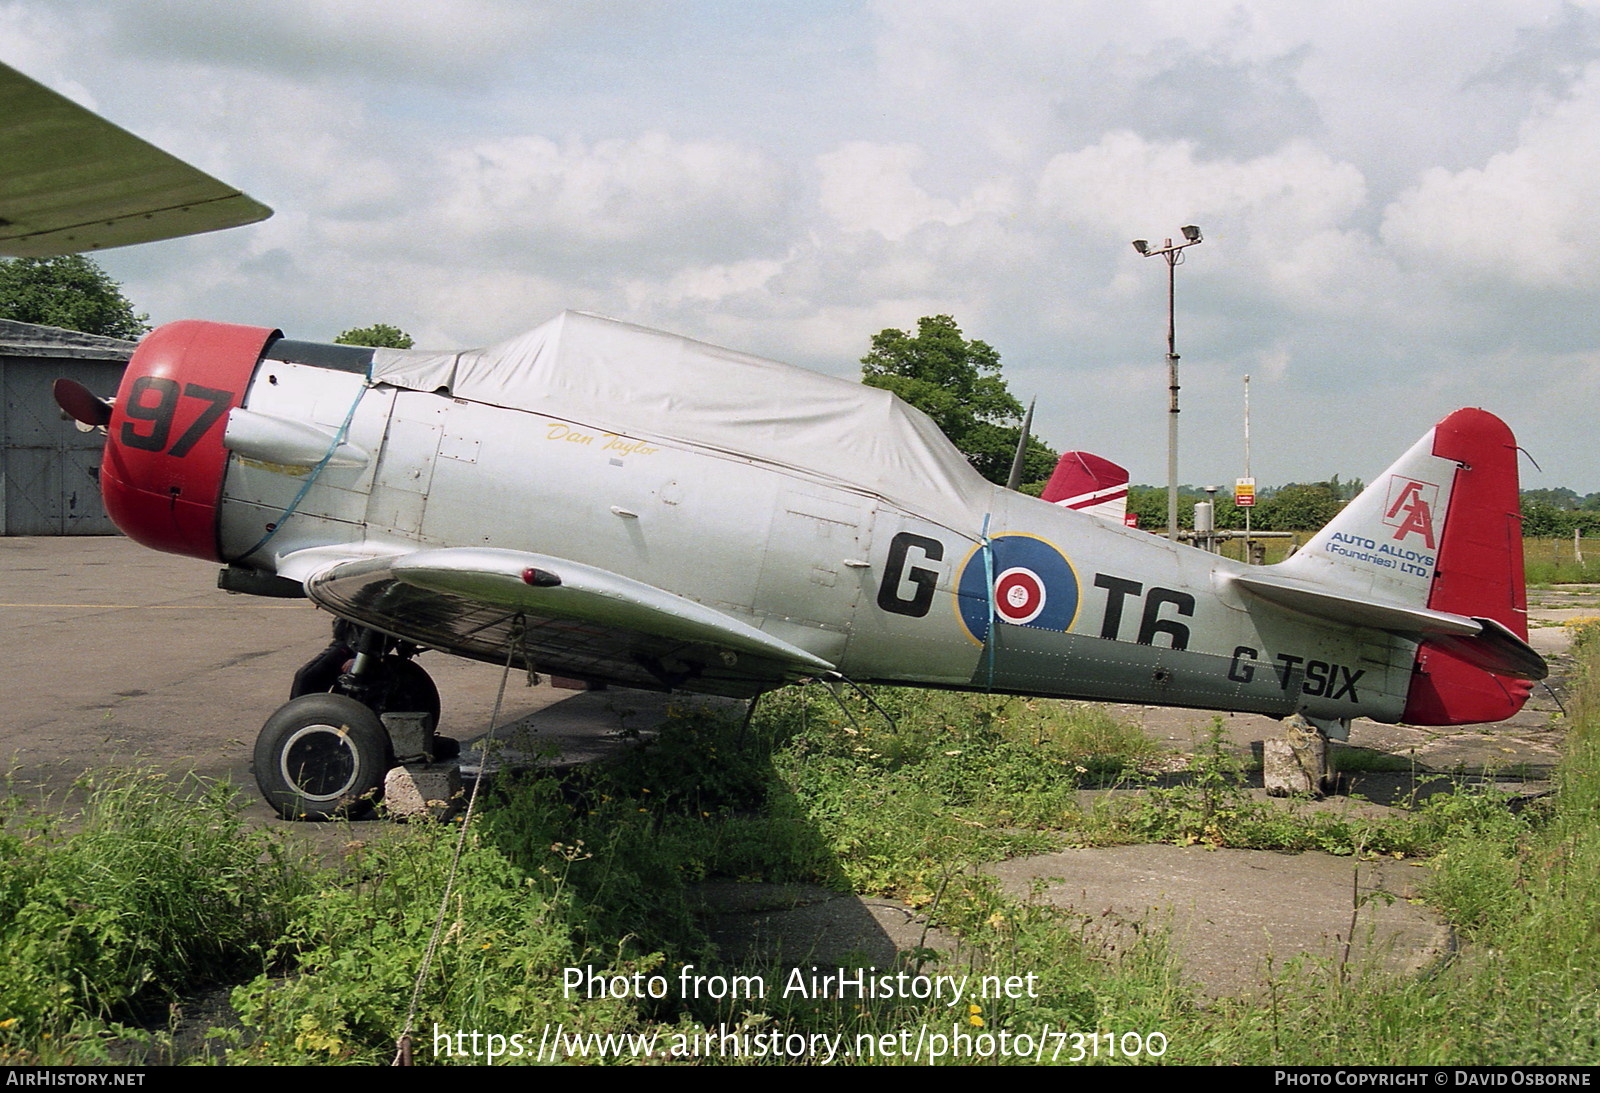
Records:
x=71, y=181
x=562, y=616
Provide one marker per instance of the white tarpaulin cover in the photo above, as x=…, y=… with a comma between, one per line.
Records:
x=650, y=384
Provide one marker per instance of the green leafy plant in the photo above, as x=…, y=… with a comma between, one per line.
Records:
x=157, y=891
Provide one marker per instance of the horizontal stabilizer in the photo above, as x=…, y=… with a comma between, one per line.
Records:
x=1484, y=643
x=1497, y=650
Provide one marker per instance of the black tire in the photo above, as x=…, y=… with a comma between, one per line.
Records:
x=322, y=756
x=409, y=689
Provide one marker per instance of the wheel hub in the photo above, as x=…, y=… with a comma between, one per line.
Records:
x=320, y=762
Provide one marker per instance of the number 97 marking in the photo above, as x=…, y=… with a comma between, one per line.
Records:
x=161, y=413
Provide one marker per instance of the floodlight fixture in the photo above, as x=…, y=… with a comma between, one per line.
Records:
x=1142, y=246
x=1191, y=233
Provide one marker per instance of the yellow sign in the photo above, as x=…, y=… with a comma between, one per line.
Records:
x=1244, y=493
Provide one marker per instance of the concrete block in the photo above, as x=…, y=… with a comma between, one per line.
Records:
x=418, y=790
x=409, y=734
x=1296, y=763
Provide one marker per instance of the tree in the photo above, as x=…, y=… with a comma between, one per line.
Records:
x=1542, y=520
x=1561, y=497
x=957, y=383
x=1149, y=504
x=71, y=292
x=381, y=335
x=1299, y=507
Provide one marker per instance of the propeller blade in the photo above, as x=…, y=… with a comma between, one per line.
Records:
x=81, y=404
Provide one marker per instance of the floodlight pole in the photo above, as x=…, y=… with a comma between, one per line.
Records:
x=1248, y=508
x=1173, y=255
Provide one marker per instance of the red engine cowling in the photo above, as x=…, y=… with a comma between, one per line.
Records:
x=161, y=477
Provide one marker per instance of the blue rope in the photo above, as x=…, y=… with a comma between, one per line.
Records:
x=311, y=479
x=988, y=585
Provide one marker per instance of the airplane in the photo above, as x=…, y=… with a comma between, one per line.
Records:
x=606, y=502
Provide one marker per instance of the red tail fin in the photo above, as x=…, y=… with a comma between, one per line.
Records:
x=1089, y=483
x=1479, y=573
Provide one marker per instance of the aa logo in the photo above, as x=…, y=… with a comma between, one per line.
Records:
x=1034, y=585
x=1410, y=508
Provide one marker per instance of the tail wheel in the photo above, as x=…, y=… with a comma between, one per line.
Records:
x=321, y=756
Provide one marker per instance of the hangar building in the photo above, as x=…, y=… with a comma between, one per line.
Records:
x=48, y=464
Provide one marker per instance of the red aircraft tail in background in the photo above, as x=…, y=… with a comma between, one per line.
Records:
x=1089, y=483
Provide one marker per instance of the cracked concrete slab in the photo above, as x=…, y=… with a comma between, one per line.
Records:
x=1229, y=910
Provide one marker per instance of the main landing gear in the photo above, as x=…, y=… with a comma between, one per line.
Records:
x=325, y=752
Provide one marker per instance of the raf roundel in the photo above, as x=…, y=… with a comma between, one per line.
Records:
x=1034, y=585
x=1019, y=596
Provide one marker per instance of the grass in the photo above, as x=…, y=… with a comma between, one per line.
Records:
x=159, y=890
x=161, y=894
x=1552, y=562
x=1521, y=888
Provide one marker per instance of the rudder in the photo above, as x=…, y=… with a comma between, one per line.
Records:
x=1089, y=483
x=1479, y=574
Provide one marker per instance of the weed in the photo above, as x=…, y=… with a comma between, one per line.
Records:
x=159, y=891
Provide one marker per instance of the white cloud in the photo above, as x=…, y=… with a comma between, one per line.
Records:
x=38, y=42
x=1282, y=224
x=1124, y=183
x=436, y=41
x=667, y=201
x=1523, y=215
x=1392, y=199
x=832, y=338
x=869, y=187
x=715, y=284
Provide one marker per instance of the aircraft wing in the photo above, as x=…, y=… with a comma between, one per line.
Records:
x=558, y=616
x=71, y=181
x=1484, y=643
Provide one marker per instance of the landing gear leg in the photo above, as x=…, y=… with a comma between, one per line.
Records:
x=365, y=680
x=321, y=672
x=326, y=751
x=374, y=669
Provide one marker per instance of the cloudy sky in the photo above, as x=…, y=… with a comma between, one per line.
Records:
x=1394, y=195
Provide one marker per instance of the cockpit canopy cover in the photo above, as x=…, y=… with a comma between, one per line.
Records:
x=630, y=380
